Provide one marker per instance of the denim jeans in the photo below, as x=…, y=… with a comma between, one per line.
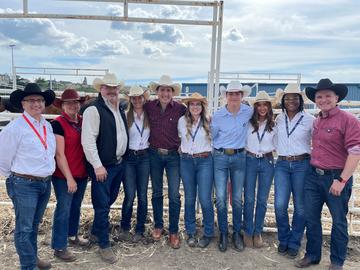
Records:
x=103, y=195
x=30, y=199
x=260, y=170
x=316, y=194
x=290, y=178
x=225, y=166
x=170, y=162
x=197, y=177
x=137, y=170
x=67, y=211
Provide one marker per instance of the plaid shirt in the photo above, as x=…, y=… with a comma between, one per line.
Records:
x=163, y=125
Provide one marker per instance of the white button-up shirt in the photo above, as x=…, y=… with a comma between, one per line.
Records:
x=138, y=141
x=299, y=142
x=201, y=142
x=21, y=151
x=253, y=144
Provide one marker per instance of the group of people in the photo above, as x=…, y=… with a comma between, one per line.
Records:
x=230, y=152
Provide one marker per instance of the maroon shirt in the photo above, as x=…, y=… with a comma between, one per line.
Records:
x=333, y=137
x=163, y=125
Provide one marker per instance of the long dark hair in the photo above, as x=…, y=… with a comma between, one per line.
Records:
x=204, y=119
x=254, y=121
x=301, y=105
x=130, y=116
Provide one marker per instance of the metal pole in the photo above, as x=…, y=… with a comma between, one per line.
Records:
x=13, y=73
x=218, y=54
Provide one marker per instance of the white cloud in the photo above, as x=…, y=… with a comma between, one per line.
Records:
x=234, y=35
x=108, y=48
x=152, y=52
x=168, y=34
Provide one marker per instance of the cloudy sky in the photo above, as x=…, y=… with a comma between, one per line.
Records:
x=317, y=38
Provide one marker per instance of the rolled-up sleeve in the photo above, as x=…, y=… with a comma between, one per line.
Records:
x=9, y=141
x=89, y=134
x=352, y=136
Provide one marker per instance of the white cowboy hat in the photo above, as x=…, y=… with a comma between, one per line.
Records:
x=236, y=86
x=292, y=88
x=165, y=80
x=110, y=80
x=262, y=96
x=136, y=91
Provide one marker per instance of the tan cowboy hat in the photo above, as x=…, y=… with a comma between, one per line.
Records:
x=165, y=80
x=136, y=91
x=292, y=88
x=195, y=97
x=236, y=86
x=262, y=96
x=110, y=80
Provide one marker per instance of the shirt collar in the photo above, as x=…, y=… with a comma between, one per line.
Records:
x=331, y=113
x=171, y=103
x=33, y=120
x=141, y=116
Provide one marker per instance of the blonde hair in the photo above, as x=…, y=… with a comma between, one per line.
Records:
x=204, y=121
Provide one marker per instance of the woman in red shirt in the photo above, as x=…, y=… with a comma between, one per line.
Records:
x=70, y=177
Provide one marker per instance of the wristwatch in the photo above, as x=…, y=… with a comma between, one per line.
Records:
x=341, y=180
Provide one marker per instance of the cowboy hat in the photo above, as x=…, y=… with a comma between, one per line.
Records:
x=31, y=89
x=262, y=96
x=136, y=91
x=292, y=88
x=236, y=86
x=195, y=97
x=165, y=80
x=109, y=79
x=69, y=94
x=340, y=90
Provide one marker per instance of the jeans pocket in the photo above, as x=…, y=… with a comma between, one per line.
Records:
x=9, y=187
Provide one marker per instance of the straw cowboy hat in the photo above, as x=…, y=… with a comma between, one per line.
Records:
x=69, y=94
x=292, y=88
x=31, y=89
x=236, y=86
x=165, y=80
x=109, y=79
x=195, y=97
x=340, y=90
x=136, y=91
x=262, y=96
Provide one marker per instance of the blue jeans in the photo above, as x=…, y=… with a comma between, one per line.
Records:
x=225, y=166
x=137, y=170
x=67, y=211
x=103, y=195
x=197, y=177
x=290, y=178
x=316, y=194
x=260, y=170
x=30, y=199
x=170, y=163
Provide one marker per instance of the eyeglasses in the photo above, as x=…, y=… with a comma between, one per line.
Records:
x=33, y=101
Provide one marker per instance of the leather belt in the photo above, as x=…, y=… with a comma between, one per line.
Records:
x=262, y=155
x=198, y=155
x=32, y=177
x=138, y=152
x=162, y=151
x=294, y=158
x=326, y=171
x=229, y=151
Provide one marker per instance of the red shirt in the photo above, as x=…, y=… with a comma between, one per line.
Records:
x=74, y=152
x=163, y=125
x=333, y=136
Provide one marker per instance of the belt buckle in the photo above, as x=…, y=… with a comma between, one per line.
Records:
x=229, y=151
x=259, y=155
x=163, y=151
x=319, y=171
x=291, y=158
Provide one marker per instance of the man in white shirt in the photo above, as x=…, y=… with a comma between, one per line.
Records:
x=27, y=160
x=105, y=140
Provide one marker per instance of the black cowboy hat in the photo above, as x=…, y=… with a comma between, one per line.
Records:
x=31, y=89
x=340, y=90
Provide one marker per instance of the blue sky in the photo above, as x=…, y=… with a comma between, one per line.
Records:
x=315, y=38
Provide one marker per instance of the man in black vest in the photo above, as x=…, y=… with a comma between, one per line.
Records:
x=105, y=140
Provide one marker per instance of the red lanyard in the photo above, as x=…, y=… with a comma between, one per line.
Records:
x=43, y=141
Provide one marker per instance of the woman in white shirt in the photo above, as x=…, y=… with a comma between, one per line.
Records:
x=293, y=141
x=137, y=168
x=196, y=167
x=259, y=168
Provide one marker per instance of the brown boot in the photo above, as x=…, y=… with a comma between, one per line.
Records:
x=156, y=234
x=65, y=255
x=43, y=265
x=248, y=241
x=258, y=242
x=108, y=255
x=174, y=241
x=78, y=241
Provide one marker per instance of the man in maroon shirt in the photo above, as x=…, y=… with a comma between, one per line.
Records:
x=164, y=114
x=334, y=158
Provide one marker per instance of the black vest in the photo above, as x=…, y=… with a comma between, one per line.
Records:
x=106, y=141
